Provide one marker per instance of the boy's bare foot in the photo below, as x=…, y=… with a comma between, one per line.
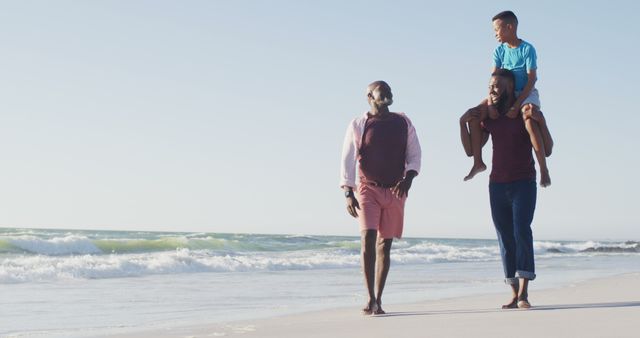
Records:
x=512, y=113
x=477, y=168
x=545, y=179
x=370, y=308
x=511, y=305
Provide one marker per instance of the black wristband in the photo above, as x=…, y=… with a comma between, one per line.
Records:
x=348, y=193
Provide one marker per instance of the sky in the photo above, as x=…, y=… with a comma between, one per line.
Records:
x=229, y=116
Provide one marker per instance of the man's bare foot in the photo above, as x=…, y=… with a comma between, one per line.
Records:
x=477, y=168
x=370, y=308
x=512, y=305
x=379, y=310
x=524, y=304
x=545, y=179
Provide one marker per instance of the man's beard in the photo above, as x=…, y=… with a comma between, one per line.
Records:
x=384, y=102
x=503, y=101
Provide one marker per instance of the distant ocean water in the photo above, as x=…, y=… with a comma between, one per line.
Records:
x=129, y=279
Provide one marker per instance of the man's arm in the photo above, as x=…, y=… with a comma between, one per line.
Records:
x=352, y=202
x=348, y=171
x=402, y=188
x=348, y=163
x=413, y=161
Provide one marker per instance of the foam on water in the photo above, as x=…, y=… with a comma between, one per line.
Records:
x=36, y=256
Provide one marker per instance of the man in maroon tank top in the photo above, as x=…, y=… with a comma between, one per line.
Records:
x=512, y=184
x=383, y=147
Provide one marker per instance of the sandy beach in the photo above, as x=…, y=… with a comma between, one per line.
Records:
x=608, y=307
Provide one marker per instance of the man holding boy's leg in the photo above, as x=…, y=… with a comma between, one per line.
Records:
x=512, y=185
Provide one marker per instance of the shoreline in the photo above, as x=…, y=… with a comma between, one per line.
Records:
x=599, y=307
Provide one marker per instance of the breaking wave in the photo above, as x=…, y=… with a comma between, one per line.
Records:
x=34, y=256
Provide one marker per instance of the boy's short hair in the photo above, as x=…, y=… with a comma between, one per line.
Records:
x=506, y=17
x=506, y=74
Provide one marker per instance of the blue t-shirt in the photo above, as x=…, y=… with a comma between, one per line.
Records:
x=519, y=60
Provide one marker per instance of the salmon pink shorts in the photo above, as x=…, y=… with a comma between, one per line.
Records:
x=380, y=210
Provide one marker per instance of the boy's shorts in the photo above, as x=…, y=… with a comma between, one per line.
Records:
x=380, y=210
x=533, y=98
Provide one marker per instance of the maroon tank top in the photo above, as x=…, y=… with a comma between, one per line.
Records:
x=512, y=158
x=382, y=153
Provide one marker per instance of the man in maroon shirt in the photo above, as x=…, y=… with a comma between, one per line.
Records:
x=512, y=186
x=384, y=147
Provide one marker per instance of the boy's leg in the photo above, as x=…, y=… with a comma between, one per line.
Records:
x=537, y=140
x=546, y=137
x=475, y=129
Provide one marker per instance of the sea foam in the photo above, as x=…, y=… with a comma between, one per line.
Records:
x=35, y=256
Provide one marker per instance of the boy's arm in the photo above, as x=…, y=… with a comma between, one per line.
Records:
x=531, y=82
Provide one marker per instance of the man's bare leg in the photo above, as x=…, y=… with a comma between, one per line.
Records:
x=476, y=147
x=523, y=295
x=513, y=304
x=533, y=128
x=368, y=250
x=383, y=263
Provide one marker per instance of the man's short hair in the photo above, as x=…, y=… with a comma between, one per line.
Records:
x=505, y=74
x=506, y=17
x=375, y=84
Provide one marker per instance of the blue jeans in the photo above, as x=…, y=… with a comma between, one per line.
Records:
x=512, y=207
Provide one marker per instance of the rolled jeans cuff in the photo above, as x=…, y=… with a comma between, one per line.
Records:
x=511, y=281
x=525, y=274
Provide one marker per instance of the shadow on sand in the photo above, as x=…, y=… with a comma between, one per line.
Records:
x=534, y=308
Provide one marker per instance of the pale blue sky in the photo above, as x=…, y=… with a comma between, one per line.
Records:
x=228, y=116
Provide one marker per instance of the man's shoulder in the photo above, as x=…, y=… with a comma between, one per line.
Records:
x=405, y=117
x=401, y=114
x=359, y=121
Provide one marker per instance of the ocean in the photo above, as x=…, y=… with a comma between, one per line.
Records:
x=74, y=283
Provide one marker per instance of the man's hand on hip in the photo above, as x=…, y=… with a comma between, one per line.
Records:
x=402, y=188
